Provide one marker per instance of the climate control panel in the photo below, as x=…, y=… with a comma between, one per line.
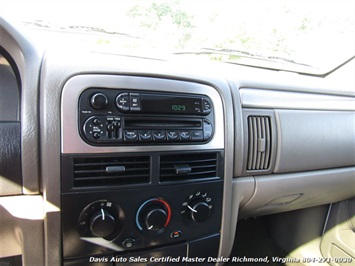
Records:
x=126, y=220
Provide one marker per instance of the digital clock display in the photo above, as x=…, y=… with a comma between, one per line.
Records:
x=178, y=107
x=169, y=104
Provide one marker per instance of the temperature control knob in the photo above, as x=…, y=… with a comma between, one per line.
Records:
x=99, y=101
x=155, y=219
x=102, y=223
x=153, y=215
x=198, y=211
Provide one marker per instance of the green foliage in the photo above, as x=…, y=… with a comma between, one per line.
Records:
x=268, y=28
x=167, y=17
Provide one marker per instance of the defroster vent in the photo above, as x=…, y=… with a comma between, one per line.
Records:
x=111, y=171
x=259, y=152
x=184, y=167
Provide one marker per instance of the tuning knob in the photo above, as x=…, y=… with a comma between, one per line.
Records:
x=99, y=101
x=153, y=215
x=199, y=210
x=102, y=223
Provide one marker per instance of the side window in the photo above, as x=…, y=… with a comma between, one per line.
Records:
x=10, y=129
x=9, y=92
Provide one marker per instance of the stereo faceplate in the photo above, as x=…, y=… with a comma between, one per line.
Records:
x=72, y=139
x=123, y=117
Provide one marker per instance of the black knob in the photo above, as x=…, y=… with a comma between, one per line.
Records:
x=199, y=211
x=102, y=223
x=153, y=215
x=99, y=101
x=155, y=218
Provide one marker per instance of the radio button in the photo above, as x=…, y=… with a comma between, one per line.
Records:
x=196, y=135
x=197, y=110
x=130, y=136
x=197, y=106
x=96, y=121
x=135, y=101
x=159, y=135
x=122, y=102
x=185, y=135
x=99, y=101
x=207, y=130
x=96, y=135
x=145, y=135
x=172, y=135
x=206, y=106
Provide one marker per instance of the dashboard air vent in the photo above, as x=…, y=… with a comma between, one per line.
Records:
x=111, y=171
x=183, y=167
x=259, y=152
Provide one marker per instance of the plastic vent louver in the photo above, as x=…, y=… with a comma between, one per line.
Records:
x=184, y=167
x=111, y=171
x=259, y=153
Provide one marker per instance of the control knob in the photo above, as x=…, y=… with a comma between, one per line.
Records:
x=155, y=218
x=101, y=218
x=153, y=215
x=99, y=101
x=102, y=223
x=198, y=210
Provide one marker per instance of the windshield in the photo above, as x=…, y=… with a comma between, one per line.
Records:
x=303, y=36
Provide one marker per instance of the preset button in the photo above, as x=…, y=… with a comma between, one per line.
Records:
x=185, y=135
x=196, y=135
x=159, y=135
x=172, y=135
x=130, y=136
x=145, y=135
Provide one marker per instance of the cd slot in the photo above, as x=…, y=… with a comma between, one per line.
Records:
x=158, y=123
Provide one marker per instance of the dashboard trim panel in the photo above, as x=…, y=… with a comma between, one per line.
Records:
x=72, y=142
x=263, y=98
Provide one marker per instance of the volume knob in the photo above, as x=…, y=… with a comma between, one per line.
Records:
x=99, y=101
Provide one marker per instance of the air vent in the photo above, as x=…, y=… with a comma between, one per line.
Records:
x=111, y=171
x=183, y=167
x=259, y=153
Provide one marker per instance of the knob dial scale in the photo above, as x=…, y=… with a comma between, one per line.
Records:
x=198, y=207
x=153, y=215
x=101, y=218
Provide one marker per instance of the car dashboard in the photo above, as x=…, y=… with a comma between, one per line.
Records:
x=126, y=159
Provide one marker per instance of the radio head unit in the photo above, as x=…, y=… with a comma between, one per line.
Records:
x=126, y=117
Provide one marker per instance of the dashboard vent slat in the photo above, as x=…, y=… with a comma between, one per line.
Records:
x=97, y=172
x=259, y=152
x=203, y=166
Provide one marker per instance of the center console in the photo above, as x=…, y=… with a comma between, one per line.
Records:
x=142, y=170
